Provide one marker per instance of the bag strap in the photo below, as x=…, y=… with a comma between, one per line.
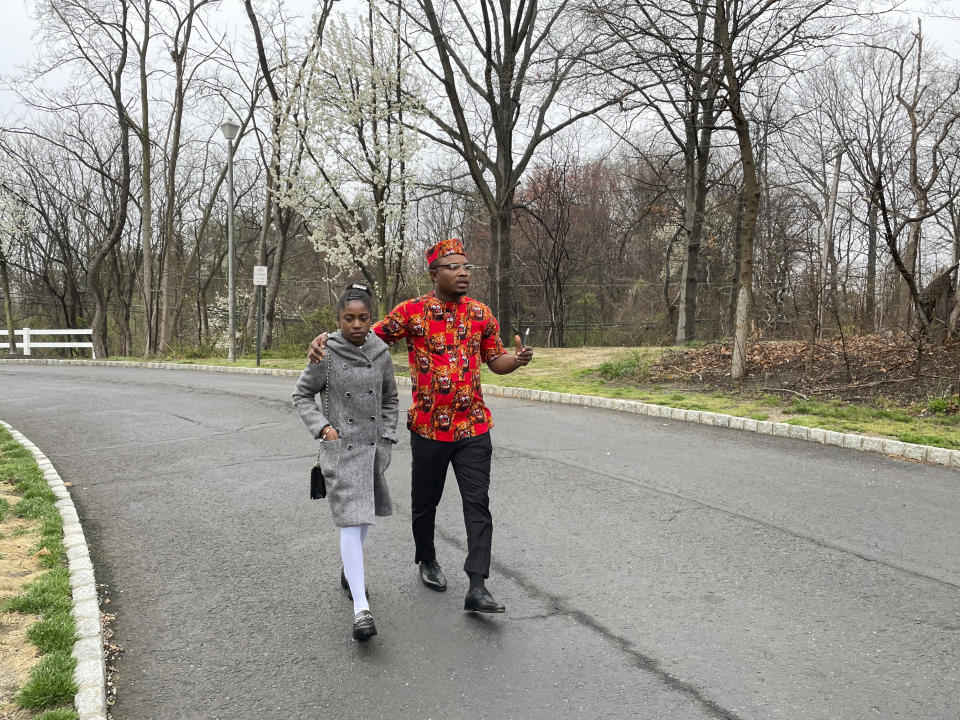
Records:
x=326, y=389
x=326, y=393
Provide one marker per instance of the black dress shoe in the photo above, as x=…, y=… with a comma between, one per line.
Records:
x=482, y=601
x=346, y=586
x=432, y=576
x=363, y=626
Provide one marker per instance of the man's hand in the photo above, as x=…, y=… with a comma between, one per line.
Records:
x=318, y=348
x=524, y=353
x=506, y=364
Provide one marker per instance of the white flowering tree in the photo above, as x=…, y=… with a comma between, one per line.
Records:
x=353, y=113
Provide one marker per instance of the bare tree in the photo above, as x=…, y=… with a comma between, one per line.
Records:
x=494, y=61
x=179, y=32
x=667, y=55
x=750, y=36
x=928, y=98
x=96, y=36
x=856, y=94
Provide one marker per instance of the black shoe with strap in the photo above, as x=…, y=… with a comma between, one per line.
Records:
x=346, y=586
x=480, y=600
x=432, y=576
x=363, y=626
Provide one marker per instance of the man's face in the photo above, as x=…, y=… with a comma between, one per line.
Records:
x=450, y=281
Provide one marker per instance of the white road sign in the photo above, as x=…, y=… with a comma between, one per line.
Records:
x=259, y=274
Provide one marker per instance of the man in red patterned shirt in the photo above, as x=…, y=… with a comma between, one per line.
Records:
x=448, y=335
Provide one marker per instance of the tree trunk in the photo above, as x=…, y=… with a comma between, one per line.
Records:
x=7, y=303
x=146, y=235
x=735, y=272
x=146, y=215
x=751, y=194
x=686, y=307
x=501, y=267
x=115, y=232
x=170, y=302
x=905, y=311
x=870, y=302
x=262, y=245
x=273, y=288
x=829, y=249
x=696, y=202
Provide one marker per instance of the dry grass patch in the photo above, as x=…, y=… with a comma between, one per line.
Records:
x=36, y=667
x=18, y=566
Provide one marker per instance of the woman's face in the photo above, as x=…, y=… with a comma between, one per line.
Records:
x=355, y=321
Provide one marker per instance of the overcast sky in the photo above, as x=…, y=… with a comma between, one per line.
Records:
x=17, y=28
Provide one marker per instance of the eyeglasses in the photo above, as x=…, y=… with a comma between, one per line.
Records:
x=456, y=266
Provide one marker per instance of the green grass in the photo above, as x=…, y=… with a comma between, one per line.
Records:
x=623, y=373
x=54, y=632
x=51, y=681
x=4, y=509
x=48, y=593
x=33, y=508
x=270, y=359
x=58, y=714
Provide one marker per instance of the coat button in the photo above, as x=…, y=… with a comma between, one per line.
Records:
x=370, y=391
x=349, y=447
x=369, y=365
x=373, y=418
x=373, y=443
x=347, y=394
x=350, y=421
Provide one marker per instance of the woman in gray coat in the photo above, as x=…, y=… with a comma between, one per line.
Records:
x=349, y=402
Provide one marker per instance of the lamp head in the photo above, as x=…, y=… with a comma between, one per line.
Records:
x=229, y=130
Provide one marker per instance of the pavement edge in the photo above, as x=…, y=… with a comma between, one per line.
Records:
x=90, y=674
x=883, y=446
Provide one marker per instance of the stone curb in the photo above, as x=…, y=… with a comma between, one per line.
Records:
x=891, y=448
x=90, y=674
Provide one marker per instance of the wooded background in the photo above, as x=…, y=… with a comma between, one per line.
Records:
x=621, y=172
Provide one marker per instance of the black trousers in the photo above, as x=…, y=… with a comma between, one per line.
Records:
x=471, y=465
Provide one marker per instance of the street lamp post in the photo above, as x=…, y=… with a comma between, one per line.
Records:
x=229, y=130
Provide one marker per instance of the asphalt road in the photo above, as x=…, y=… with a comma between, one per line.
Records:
x=650, y=568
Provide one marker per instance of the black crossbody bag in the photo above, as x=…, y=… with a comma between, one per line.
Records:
x=318, y=486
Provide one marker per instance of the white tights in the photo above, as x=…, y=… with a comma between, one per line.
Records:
x=351, y=551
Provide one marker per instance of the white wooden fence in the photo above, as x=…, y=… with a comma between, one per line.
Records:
x=26, y=342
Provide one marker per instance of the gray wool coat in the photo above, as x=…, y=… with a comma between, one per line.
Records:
x=362, y=407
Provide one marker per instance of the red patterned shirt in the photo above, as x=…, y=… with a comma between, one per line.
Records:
x=446, y=343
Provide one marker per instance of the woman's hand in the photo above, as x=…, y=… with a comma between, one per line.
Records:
x=329, y=433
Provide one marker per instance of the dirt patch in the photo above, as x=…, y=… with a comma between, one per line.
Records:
x=18, y=566
x=17, y=656
x=860, y=369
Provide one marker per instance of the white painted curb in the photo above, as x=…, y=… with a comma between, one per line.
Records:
x=91, y=674
x=853, y=441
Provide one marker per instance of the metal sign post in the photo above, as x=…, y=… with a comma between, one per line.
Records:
x=260, y=281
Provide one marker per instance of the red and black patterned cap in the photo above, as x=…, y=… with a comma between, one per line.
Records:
x=450, y=246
